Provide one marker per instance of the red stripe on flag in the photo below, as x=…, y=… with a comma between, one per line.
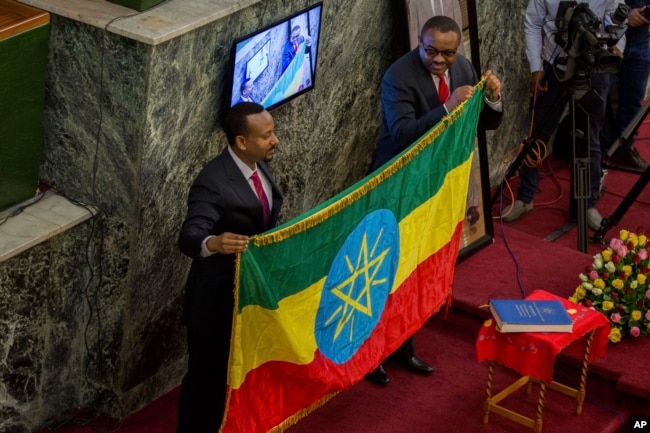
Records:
x=276, y=391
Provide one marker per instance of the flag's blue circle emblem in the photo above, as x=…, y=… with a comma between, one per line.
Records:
x=357, y=286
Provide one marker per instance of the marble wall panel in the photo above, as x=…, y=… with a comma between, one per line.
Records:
x=502, y=49
x=44, y=313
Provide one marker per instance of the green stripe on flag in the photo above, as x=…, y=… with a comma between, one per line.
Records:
x=294, y=253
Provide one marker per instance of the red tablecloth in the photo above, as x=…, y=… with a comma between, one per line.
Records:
x=533, y=353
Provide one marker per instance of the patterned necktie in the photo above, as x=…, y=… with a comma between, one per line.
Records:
x=443, y=89
x=266, y=209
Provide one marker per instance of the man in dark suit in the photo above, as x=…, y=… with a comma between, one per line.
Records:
x=225, y=206
x=246, y=91
x=417, y=91
x=291, y=47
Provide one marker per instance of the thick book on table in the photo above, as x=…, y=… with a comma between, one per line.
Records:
x=521, y=315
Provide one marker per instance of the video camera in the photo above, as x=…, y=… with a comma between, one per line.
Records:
x=579, y=33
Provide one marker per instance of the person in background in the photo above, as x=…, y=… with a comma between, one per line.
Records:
x=632, y=83
x=233, y=197
x=549, y=97
x=417, y=91
x=246, y=91
x=291, y=47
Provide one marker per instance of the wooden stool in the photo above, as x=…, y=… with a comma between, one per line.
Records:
x=532, y=355
x=492, y=402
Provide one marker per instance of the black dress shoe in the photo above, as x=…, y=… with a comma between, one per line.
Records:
x=417, y=365
x=378, y=375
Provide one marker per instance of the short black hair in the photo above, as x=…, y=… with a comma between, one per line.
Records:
x=236, y=123
x=243, y=84
x=441, y=23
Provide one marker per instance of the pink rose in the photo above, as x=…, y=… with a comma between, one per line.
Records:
x=643, y=254
x=615, y=243
x=647, y=315
x=635, y=331
x=593, y=275
x=615, y=317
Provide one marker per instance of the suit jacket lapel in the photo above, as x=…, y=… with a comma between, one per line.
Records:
x=455, y=74
x=242, y=188
x=425, y=82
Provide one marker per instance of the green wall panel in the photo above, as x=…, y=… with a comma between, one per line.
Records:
x=23, y=62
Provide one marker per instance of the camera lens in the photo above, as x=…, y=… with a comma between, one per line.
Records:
x=620, y=14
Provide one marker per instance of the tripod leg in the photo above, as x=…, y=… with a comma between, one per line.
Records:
x=631, y=196
x=630, y=129
x=581, y=167
x=553, y=106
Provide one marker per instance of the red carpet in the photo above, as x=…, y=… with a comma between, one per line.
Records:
x=451, y=399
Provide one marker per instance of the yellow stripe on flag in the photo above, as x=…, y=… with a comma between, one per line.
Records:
x=430, y=226
x=281, y=334
x=287, y=333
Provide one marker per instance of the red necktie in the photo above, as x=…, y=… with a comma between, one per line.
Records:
x=266, y=209
x=443, y=89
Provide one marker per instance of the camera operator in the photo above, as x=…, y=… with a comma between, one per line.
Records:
x=632, y=82
x=548, y=97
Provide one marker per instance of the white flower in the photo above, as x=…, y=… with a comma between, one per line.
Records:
x=634, y=284
x=587, y=285
x=598, y=262
x=597, y=291
x=583, y=277
x=610, y=266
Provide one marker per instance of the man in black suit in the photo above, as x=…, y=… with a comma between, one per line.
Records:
x=225, y=207
x=291, y=47
x=246, y=91
x=411, y=93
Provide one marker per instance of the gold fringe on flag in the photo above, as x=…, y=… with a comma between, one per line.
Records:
x=292, y=420
x=325, y=213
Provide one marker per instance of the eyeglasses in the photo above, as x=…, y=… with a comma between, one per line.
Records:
x=432, y=52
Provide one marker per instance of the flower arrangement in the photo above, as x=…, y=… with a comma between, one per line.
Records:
x=616, y=285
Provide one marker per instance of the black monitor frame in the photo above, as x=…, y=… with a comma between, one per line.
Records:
x=264, y=59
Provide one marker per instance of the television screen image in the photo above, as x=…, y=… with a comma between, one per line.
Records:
x=277, y=63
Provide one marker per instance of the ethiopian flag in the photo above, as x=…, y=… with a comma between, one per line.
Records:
x=290, y=81
x=324, y=298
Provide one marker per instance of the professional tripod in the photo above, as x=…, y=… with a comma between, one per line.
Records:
x=582, y=100
x=636, y=189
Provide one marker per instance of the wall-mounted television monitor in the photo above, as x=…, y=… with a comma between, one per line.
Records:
x=277, y=63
